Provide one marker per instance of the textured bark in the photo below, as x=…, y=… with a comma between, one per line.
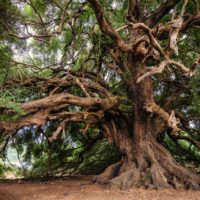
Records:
x=145, y=162
x=39, y=111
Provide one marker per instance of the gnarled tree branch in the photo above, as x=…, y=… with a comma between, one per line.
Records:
x=106, y=27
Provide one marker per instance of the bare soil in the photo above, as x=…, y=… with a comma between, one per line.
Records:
x=81, y=188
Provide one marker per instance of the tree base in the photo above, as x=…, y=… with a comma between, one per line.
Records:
x=154, y=168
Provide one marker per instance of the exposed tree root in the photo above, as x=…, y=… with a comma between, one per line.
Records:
x=155, y=169
x=109, y=173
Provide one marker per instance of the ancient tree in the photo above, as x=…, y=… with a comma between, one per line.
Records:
x=113, y=66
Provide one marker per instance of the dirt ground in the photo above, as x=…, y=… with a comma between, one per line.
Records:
x=83, y=189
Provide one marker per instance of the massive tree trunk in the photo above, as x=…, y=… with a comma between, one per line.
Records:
x=144, y=162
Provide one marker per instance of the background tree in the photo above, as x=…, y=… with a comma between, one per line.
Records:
x=128, y=67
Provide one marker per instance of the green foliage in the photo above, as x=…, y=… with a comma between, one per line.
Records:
x=46, y=73
x=195, y=94
x=37, y=157
x=2, y=170
x=96, y=160
x=182, y=150
x=6, y=102
x=11, y=99
x=28, y=11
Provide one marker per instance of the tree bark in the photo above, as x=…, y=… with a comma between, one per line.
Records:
x=144, y=162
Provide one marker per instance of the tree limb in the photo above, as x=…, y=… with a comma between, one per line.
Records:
x=106, y=27
x=161, y=11
x=65, y=98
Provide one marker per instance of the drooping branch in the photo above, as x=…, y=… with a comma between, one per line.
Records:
x=89, y=118
x=47, y=32
x=104, y=25
x=38, y=118
x=39, y=15
x=40, y=109
x=68, y=78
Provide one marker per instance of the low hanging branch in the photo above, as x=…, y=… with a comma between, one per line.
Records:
x=88, y=118
x=65, y=98
x=40, y=109
x=39, y=118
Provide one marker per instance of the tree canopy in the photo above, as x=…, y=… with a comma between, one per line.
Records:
x=74, y=73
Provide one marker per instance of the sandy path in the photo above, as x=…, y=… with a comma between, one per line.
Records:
x=82, y=189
